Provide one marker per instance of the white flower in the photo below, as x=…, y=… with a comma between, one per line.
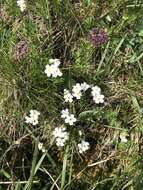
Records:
x=52, y=70
x=56, y=71
x=83, y=146
x=123, y=137
x=98, y=98
x=34, y=114
x=68, y=96
x=40, y=146
x=84, y=86
x=59, y=132
x=33, y=117
x=95, y=90
x=76, y=91
x=60, y=142
x=65, y=113
x=61, y=136
x=48, y=70
x=21, y=4
x=70, y=119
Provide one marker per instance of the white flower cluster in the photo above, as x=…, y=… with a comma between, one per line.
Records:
x=97, y=96
x=33, y=117
x=61, y=136
x=41, y=147
x=21, y=4
x=68, y=96
x=83, y=146
x=69, y=118
x=76, y=92
x=52, y=69
x=79, y=88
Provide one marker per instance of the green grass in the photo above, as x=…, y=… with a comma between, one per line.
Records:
x=60, y=29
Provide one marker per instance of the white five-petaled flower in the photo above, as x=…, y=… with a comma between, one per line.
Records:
x=33, y=117
x=69, y=118
x=61, y=136
x=84, y=86
x=83, y=146
x=52, y=69
x=65, y=113
x=76, y=91
x=21, y=4
x=97, y=96
x=68, y=96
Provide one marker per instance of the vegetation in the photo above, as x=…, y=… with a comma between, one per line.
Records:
x=99, y=42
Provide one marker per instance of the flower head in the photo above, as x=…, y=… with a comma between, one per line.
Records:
x=98, y=36
x=76, y=91
x=33, y=117
x=52, y=70
x=83, y=146
x=21, y=50
x=68, y=96
x=97, y=96
x=84, y=86
x=65, y=113
x=70, y=119
x=21, y=4
x=61, y=136
x=95, y=90
x=123, y=137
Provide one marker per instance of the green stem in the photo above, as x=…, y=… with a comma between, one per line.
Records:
x=30, y=181
x=64, y=167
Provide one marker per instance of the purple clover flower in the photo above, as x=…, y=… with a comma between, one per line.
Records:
x=21, y=50
x=97, y=37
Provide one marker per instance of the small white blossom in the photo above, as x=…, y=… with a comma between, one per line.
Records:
x=33, y=117
x=76, y=91
x=52, y=70
x=21, y=4
x=70, y=119
x=123, y=137
x=61, y=136
x=60, y=142
x=83, y=146
x=84, y=86
x=68, y=96
x=40, y=146
x=65, y=113
x=98, y=98
x=95, y=90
